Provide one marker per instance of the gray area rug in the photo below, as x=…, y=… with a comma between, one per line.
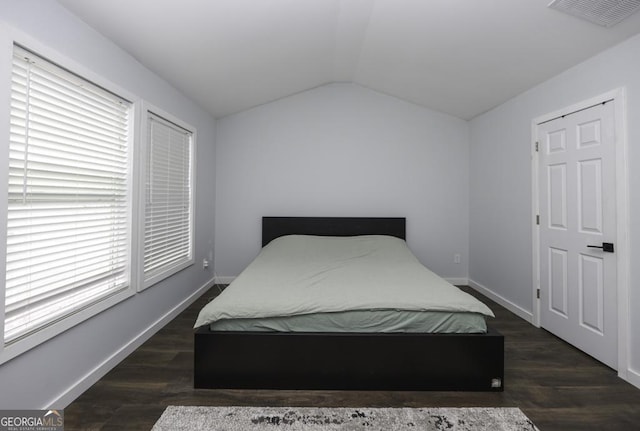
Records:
x=185, y=418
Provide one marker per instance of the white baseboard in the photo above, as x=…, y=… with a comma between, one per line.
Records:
x=224, y=280
x=77, y=388
x=632, y=377
x=458, y=281
x=514, y=308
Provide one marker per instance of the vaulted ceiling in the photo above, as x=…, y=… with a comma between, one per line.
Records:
x=461, y=57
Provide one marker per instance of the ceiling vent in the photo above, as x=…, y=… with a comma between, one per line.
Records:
x=602, y=12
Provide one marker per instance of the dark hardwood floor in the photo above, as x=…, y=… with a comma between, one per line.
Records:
x=556, y=385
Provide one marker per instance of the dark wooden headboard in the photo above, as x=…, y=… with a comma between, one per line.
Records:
x=274, y=227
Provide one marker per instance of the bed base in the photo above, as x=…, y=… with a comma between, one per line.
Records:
x=348, y=361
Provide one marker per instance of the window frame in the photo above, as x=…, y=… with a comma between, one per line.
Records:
x=148, y=109
x=8, y=38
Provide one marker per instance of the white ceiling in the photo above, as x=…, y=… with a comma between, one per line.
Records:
x=462, y=57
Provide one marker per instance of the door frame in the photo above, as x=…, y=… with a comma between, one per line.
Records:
x=618, y=98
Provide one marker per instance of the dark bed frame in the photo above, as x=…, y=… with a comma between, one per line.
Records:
x=346, y=361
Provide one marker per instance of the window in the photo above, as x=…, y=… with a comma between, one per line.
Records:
x=168, y=203
x=69, y=194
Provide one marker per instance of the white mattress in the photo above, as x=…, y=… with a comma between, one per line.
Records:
x=302, y=275
x=362, y=321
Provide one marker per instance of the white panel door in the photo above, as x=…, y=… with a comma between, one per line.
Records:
x=577, y=210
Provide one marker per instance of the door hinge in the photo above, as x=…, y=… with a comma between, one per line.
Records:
x=538, y=219
x=538, y=294
x=537, y=146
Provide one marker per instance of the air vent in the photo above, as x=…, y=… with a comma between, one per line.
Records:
x=602, y=12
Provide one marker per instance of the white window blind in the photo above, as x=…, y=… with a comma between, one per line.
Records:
x=68, y=210
x=168, y=198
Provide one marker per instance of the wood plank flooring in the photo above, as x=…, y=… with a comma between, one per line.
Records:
x=556, y=385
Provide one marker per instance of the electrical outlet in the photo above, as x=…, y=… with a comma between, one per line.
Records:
x=205, y=264
x=456, y=258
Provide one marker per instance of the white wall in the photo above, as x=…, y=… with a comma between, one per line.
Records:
x=343, y=150
x=500, y=194
x=53, y=373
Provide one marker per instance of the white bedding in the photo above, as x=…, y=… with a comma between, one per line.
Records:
x=301, y=274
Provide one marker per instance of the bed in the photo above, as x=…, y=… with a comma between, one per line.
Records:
x=272, y=352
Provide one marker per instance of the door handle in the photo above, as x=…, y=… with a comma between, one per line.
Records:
x=606, y=246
